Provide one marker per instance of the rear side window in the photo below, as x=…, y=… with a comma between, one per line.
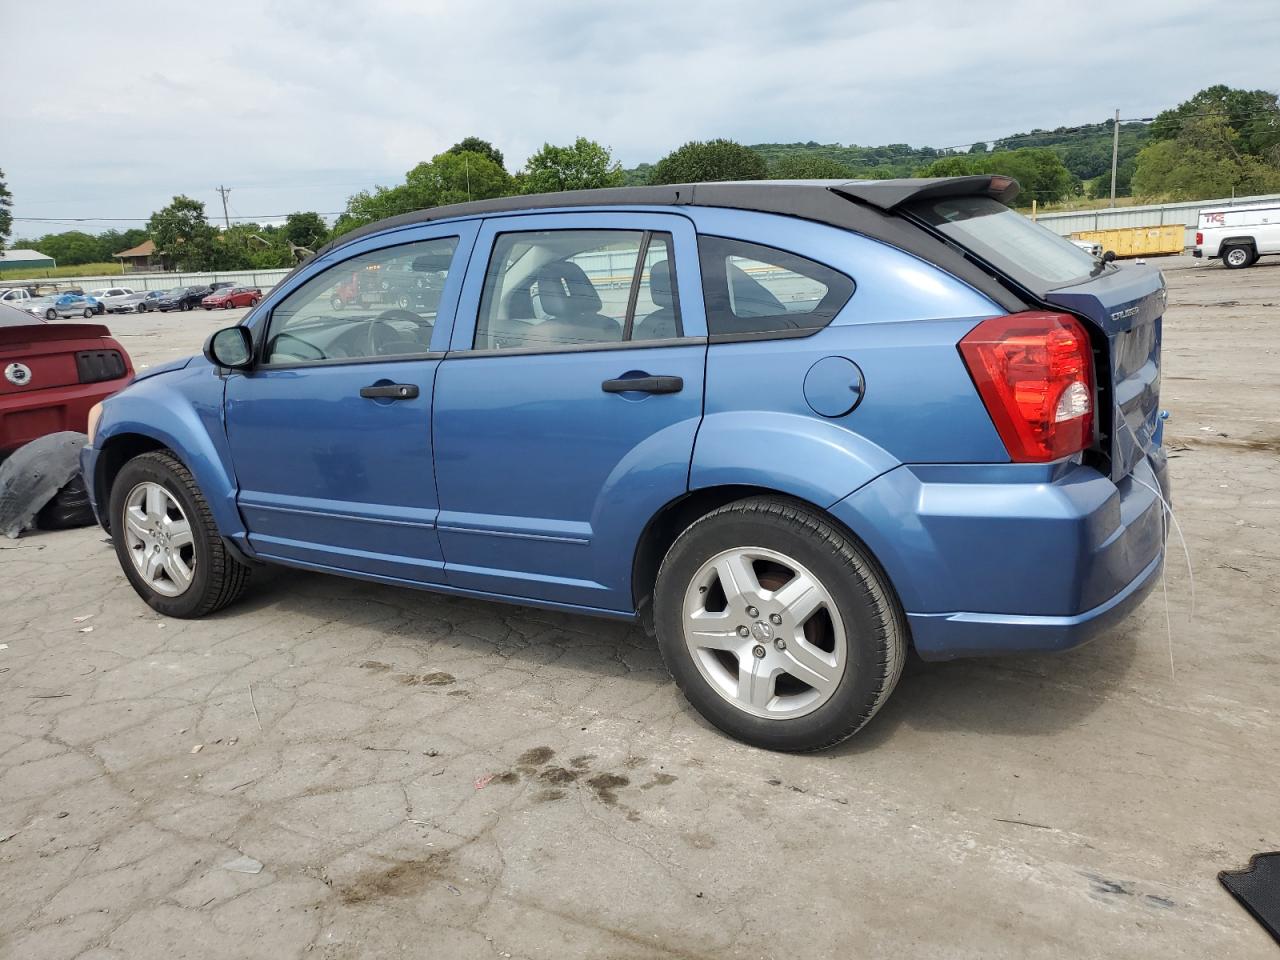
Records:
x=753, y=291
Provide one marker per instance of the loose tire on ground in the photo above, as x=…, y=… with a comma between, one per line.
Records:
x=862, y=612
x=217, y=577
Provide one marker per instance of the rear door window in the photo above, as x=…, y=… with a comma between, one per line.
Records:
x=1027, y=252
x=753, y=291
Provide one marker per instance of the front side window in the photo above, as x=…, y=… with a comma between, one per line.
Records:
x=379, y=304
x=557, y=289
x=757, y=291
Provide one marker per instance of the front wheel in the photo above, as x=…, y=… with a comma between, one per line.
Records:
x=51, y=314
x=88, y=312
x=778, y=627
x=184, y=305
x=166, y=540
x=1237, y=258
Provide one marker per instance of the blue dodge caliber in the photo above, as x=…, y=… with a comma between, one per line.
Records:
x=789, y=427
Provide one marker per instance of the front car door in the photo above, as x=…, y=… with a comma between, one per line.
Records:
x=567, y=407
x=330, y=431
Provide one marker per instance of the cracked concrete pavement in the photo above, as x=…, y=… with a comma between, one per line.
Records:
x=424, y=776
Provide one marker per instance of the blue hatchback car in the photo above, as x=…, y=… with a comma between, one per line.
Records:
x=791, y=428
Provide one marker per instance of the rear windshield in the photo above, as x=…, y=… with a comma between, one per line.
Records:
x=1030, y=254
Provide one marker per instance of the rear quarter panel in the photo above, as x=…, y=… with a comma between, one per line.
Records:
x=900, y=327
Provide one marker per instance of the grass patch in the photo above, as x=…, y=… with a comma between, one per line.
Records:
x=113, y=269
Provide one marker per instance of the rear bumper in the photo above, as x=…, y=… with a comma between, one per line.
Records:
x=26, y=416
x=1013, y=558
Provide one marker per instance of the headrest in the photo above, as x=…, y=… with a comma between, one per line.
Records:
x=564, y=290
x=660, y=285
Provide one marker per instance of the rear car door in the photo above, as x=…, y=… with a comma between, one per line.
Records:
x=330, y=431
x=567, y=407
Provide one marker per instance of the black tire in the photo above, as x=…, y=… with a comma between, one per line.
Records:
x=184, y=305
x=101, y=309
x=51, y=314
x=142, y=308
x=68, y=509
x=1242, y=254
x=876, y=630
x=88, y=312
x=218, y=578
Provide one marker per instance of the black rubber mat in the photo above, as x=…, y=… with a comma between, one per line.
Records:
x=1257, y=887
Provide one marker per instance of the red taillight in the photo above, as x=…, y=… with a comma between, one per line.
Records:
x=1199, y=239
x=1034, y=372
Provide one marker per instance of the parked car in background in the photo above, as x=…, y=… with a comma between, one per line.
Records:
x=1090, y=247
x=1238, y=235
x=221, y=284
x=229, y=297
x=61, y=305
x=17, y=296
x=107, y=296
x=791, y=428
x=139, y=302
x=181, y=298
x=51, y=375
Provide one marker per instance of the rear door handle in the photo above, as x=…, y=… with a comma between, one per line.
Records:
x=643, y=385
x=389, y=391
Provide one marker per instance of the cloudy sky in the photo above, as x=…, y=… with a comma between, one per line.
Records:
x=109, y=109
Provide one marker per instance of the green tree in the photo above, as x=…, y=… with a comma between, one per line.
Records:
x=1254, y=116
x=6, y=211
x=477, y=145
x=181, y=231
x=1204, y=160
x=305, y=229
x=581, y=166
x=700, y=162
x=808, y=166
x=70, y=248
x=1039, y=172
x=447, y=178
x=977, y=148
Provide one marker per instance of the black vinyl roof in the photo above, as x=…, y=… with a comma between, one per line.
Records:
x=863, y=206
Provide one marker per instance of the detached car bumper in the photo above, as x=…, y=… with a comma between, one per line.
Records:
x=1013, y=558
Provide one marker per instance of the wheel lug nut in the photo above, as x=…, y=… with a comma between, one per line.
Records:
x=752, y=612
x=758, y=651
x=780, y=644
x=743, y=631
x=775, y=619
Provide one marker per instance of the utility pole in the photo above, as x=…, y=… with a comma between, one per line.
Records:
x=224, y=191
x=1115, y=155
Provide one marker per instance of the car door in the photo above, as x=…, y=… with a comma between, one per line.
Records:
x=330, y=431
x=567, y=406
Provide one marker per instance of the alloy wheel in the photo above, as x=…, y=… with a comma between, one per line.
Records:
x=765, y=633
x=159, y=539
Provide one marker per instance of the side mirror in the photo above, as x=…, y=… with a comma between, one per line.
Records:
x=1108, y=256
x=230, y=347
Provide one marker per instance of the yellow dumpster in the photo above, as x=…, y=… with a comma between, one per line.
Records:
x=1138, y=241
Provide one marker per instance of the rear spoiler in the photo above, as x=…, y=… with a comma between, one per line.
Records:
x=890, y=194
x=38, y=332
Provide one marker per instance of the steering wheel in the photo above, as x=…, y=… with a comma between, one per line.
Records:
x=377, y=341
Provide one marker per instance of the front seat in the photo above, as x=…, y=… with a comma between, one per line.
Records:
x=573, y=307
x=661, y=324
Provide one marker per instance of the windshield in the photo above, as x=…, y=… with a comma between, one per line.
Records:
x=1026, y=251
x=176, y=292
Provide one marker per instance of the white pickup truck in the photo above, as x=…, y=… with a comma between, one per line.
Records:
x=1238, y=235
x=16, y=296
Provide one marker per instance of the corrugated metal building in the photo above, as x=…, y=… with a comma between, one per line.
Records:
x=28, y=259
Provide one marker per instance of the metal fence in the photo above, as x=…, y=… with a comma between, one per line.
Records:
x=1153, y=215
x=265, y=279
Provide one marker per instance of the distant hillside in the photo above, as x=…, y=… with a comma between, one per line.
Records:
x=1084, y=150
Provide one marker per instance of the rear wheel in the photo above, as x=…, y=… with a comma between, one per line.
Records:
x=779, y=628
x=184, y=305
x=1236, y=258
x=51, y=314
x=88, y=312
x=166, y=540
x=142, y=307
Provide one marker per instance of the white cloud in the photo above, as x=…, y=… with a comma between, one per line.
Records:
x=297, y=105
